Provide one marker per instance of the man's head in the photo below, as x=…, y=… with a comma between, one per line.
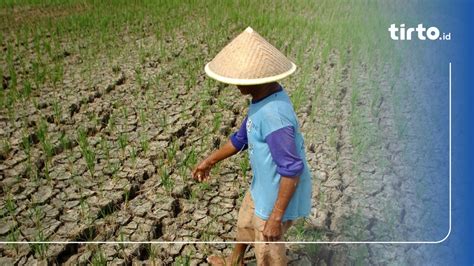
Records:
x=260, y=89
x=247, y=89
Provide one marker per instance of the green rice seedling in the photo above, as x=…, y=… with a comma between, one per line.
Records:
x=183, y=260
x=11, y=98
x=111, y=123
x=166, y=180
x=46, y=172
x=298, y=230
x=142, y=117
x=123, y=142
x=47, y=47
x=244, y=166
x=104, y=146
x=204, y=186
x=42, y=134
x=360, y=255
x=39, y=73
x=222, y=104
x=163, y=121
x=376, y=101
x=133, y=156
x=89, y=156
x=57, y=74
x=322, y=198
x=47, y=146
x=11, y=68
x=87, y=151
x=5, y=148
x=98, y=259
x=191, y=158
x=162, y=49
x=121, y=239
x=171, y=151
x=332, y=140
x=57, y=111
x=216, y=122
x=124, y=110
x=116, y=69
x=139, y=76
x=64, y=141
x=193, y=196
x=142, y=55
x=10, y=205
x=39, y=249
x=297, y=97
x=26, y=91
x=183, y=172
x=153, y=253
x=13, y=236
x=92, y=116
x=126, y=196
x=37, y=215
x=83, y=208
x=144, y=143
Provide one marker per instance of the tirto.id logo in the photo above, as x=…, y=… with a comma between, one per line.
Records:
x=431, y=33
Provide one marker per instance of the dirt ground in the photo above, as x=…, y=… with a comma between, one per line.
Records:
x=148, y=127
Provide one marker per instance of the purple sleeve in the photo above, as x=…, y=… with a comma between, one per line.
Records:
x=239, y=138
x=283, y=149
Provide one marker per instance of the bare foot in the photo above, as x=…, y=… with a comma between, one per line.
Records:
x=222, y=261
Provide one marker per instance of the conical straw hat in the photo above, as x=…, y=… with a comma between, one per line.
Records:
x=249, y=60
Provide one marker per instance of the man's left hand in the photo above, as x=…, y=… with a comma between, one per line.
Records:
x=272, y=230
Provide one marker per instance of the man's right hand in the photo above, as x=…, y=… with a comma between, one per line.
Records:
x=201, y=172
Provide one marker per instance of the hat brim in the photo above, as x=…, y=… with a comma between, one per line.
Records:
x=235, y=81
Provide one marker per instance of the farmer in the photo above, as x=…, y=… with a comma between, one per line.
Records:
x=280, y=191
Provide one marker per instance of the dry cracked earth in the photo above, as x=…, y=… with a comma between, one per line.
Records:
x=148, y=127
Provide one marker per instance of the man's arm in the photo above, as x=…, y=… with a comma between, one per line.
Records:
x=282, y=147
x=237, y=142
x=272, y=229
x=201, y=172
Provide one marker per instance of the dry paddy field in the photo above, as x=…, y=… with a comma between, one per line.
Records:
x=105, y=109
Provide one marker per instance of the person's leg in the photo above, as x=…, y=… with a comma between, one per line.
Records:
x=235, y=259
x=269, y=253
x=245, y=232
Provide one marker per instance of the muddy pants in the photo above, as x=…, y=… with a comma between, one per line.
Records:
x=250, y=228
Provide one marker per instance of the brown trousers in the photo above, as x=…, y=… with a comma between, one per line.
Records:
x=250, y=228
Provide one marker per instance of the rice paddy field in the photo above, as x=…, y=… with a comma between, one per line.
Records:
x=105, y=109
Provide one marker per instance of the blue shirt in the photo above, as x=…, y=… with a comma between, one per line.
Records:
x=276, y=147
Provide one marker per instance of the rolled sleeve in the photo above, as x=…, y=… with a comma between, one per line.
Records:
x=239, y=138
x=282, y=147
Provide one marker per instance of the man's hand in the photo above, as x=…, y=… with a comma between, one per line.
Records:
x=272, y=230
x=273, y=227
x=201, y=172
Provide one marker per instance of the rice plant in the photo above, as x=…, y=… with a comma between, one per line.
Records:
x=133, y=156
x=46, y=145
x=5, y=148
x=57, y=111
x=244, y=167
x=166, y=180
x=123, y=142
x=98, y=259
x=144, y=144
x=39, y=249
x=87, y=151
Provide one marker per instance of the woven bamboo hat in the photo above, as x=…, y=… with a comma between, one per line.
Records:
x=249, y=60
